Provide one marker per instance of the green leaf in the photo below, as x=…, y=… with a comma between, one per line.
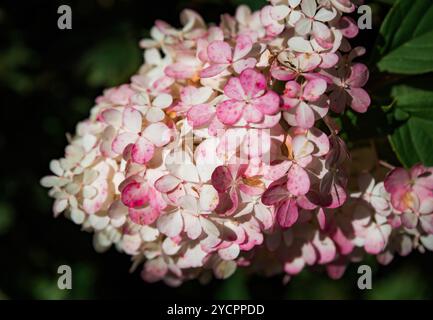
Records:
x=413, y=139
x=407, y=34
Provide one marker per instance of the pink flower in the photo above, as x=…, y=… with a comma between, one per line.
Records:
x=228, y=181
x=289, y=66
x=139, y=144
x=347, y=88
x=409, y=189
x=193, y=98
x=221, y=57
x=249, y=99
x=305, y=103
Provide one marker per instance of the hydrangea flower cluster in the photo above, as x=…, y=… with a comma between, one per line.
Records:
x=221, y=153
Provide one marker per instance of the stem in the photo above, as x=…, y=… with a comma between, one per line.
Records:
x=386, y=165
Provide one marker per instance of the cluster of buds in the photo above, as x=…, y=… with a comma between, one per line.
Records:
x=221, y=152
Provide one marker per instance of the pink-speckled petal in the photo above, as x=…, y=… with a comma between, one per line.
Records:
x=233, y=89
x=275, y=194
x=219, y=52
x=143, y=216
x=221, y=178
x=200, y=115
x=277, y=171
x=253, y=83
x=287, y=213
x=180, y=71
x=244, y=44
x=230, y=111
x=122, y=141
x=298, y=182
x=213, y=70
x=358, y=75
x=142, y=151
x=268, y=104
x=135, y=195
x=360, y=99
x=251, y=114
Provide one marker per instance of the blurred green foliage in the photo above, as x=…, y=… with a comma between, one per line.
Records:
x=48, y=79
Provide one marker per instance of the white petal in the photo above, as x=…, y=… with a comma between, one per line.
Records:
x=77, y=216
x=162, y=101
x=299, y=44
x=158, y=133
x=208, y=198
x=170, y=224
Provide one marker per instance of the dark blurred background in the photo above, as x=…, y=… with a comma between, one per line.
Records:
x=48, y=81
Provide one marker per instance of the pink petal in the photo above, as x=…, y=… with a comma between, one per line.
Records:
x=243, y=47
x=292, y=89
x=309, y=61
x=154, y=270
x=199, y=115
x=122, y=141
x=314, y=89
x=298, y=182
x=233, y=89
x=180, y=71
x=252, y=82
x=228, y=202
x=375, y=241
x=243, y=64
x=251, y=114
x=268, y=104
x=221, y=178
x=322, y=34
x=287, y=213
x=144, y=216
x=295, y=266
x=360, y=99
x=358, y=75
x=208, y=198
x=283, y=74
x=275, y=194
x=135, y=195
x=326, y=248
x=142, y=151
x=276, y=171
x=213, y=70
x=397, y=179
x=304, y=116
x=219, y=52
x=230, y=111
